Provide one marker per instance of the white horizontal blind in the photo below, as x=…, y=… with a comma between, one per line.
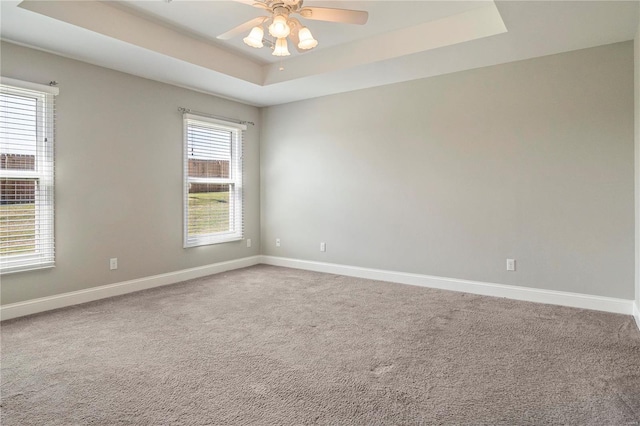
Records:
x=27, y=118
x=213, y=210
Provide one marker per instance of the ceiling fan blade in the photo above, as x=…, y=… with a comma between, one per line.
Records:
x=242, y=28
x=344, y=16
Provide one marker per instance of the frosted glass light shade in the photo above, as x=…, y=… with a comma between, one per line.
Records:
x=306, y=39
x=279, y=27
x=281, y=48
x=254, y=39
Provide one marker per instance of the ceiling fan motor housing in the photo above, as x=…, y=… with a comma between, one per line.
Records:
x=292, y=2
x=281, y=11
x=290, y=6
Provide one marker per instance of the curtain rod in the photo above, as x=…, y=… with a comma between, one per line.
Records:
x=219, y=117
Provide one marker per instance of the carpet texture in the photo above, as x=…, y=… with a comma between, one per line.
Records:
x=267, y=345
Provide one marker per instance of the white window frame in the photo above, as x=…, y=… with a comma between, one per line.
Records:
x=235, y=179
x=44, y=256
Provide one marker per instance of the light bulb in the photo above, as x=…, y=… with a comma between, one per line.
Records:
x=281, y=48
x=254, y=39
x=279, y=27
x=306, y=39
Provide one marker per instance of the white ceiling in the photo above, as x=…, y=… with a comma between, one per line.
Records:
x=174, y=42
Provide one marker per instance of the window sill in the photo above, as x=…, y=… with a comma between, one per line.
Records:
x=15, y=269
x=211, y=241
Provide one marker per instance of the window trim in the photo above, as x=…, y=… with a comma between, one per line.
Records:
x=235, y=168
x=45, y=122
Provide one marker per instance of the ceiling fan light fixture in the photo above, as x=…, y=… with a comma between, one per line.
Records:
x=281, y=48
x=254, y=39
x=279, y=27
x=306, y=39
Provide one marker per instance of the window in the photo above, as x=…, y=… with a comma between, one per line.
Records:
x=213, y=181
x=26, y=176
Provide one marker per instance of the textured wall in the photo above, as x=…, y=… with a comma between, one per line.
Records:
x=451, y=175
x=119, y=176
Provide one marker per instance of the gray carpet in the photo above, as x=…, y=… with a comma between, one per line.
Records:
x=267, y=345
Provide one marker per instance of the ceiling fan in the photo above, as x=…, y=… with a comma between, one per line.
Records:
x=282, y=25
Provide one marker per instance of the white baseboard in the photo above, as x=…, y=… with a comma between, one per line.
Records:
x=34, y=306
x=575, y=300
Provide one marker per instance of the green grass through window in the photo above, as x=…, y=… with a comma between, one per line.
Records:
x=17, y=228
x=208, y=212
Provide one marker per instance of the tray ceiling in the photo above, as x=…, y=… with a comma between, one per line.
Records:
x=175, y=42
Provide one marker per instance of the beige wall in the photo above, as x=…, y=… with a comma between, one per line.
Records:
x=119, y=176
x=445, y=176
x=451, y=175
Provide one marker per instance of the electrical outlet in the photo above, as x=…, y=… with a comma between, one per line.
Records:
x=511, y=264
x=248, y=242
x=277, y=242
x=323, y=246
x=113, y=263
